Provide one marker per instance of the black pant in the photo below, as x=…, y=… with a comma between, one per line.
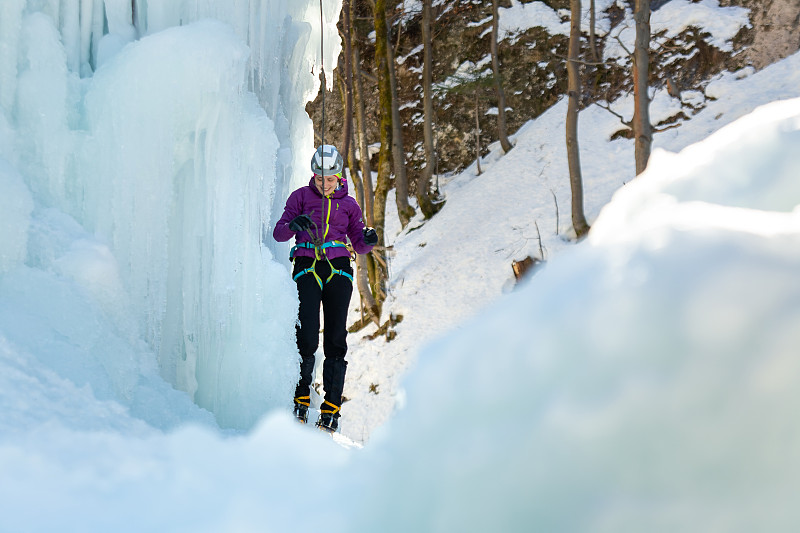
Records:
x=335, y=299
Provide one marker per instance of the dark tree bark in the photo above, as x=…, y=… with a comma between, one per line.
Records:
x=364, y=160
x=477, y=133
x=592, y=32
x=404, y=210
x=502, y=130
x=426, y=205
x=642, y=130
x=363, y=143
x=573, y=94
x=348, y=82
x=362, y=265
x=385, y=155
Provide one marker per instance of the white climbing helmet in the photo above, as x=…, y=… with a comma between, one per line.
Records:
x=327, y=160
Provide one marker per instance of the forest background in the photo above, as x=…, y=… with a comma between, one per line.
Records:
x=489, y=73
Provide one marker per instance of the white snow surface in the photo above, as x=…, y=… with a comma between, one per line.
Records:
x=719, y=23
x=641, y=380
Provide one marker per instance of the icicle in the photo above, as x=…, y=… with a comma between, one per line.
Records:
x=9, y=41
x=86, y=14
x=98, y=28
x=70, y=33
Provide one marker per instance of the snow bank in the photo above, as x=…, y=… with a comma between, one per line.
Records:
x=641, y=382
x=189, y=480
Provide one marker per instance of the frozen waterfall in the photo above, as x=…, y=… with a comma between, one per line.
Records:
x=145, y=148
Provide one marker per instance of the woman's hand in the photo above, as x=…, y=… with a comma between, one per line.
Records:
x=300, y=223
x=370, y=237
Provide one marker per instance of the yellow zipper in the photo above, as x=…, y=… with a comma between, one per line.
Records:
x=327, y=220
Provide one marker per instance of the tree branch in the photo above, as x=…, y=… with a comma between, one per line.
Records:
x=370, y=77
x=665, y=128
x=627, y=123
x=623, y=45
x=581, y=62
x=379, y=259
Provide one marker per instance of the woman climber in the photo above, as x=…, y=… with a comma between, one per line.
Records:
x=322, y=217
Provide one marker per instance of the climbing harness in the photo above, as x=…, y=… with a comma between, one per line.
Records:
x=319, y=246
x=312, y=268
x=319, y=253
x=312, y=246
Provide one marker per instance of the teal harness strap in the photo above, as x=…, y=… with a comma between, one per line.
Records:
x=337, y=271
x=311, y=269
x=330, y=244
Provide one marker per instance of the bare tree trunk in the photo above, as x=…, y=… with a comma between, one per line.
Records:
x=347, y=144
x=498, y=84
x=426, y=205
x=642, y=131
x=348, y=82
x=592, y=33
x=362, y=266
x=366, y=167
x=477, y=134
x=358, y=183
x=363, y=144
x=384, y=157
x=573, y=92
x=404, y=210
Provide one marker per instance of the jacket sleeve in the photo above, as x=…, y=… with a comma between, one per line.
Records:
x=282, y=233
x=354, y=230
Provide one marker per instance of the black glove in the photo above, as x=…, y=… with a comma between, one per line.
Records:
x=300, y=223
x=370, y=237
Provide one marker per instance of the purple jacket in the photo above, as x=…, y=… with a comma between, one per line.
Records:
x=342, y=219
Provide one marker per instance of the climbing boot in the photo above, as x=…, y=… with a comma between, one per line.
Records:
x=328, y=417
x=301, y=404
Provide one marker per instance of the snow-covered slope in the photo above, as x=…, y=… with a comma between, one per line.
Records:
x=641, y=381
x=460, y=261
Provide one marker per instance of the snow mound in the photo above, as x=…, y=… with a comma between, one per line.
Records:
x=642, y=381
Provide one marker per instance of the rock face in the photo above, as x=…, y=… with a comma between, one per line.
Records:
x=776, y=30
x=533, y=70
